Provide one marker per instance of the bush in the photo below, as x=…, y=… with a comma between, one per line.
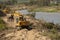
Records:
x=48, y=25
x=2, y=24
x=53, y=32
x=1, y=21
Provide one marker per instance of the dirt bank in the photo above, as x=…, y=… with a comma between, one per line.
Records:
x=24, y=34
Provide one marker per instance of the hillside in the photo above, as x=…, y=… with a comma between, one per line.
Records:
x=25, y=35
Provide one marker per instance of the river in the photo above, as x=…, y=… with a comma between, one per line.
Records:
x=47, y=16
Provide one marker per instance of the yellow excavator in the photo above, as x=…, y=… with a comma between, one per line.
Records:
x=4, y=9
x=21, y=22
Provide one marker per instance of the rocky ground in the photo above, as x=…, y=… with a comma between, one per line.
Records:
x=24, y=34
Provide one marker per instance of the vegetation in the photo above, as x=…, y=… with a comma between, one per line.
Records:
x=45, y=9
x=40, y=2
x=51, y=30
x=45, y=5
x=2, y=25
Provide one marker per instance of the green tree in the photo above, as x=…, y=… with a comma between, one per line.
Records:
x=40, y=2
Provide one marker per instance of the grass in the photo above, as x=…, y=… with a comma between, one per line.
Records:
x=45, y=9
x=53, y=34
x=50, y=29
x=2, y=24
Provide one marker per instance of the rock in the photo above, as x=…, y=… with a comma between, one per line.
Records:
x=26, y=35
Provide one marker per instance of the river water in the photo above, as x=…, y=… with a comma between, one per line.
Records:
x=47, y=16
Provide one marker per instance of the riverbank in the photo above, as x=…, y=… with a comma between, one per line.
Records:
x=47, y=28
x=44, y=9
x=35, y=8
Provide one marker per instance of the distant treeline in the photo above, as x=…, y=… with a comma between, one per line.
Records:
x=44, y=2
x=34, y=2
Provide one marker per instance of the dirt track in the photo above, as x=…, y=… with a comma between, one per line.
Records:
x=25, y=34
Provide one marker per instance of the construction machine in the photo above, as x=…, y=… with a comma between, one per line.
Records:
x=21, y=21
x=4, y=9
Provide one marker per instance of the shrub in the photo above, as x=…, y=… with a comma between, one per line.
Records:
x=48, y=25
x=2, y=24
